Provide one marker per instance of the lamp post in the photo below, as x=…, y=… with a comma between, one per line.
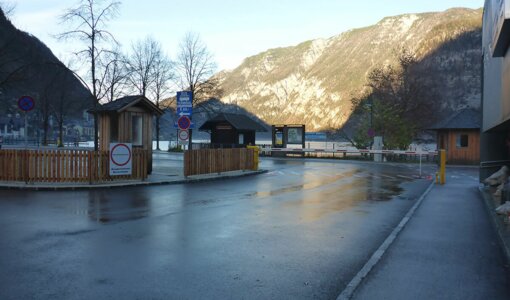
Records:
x=371, y=131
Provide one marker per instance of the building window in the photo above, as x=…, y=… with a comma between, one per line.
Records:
x=462, y=141
x=136, y=131
x=114, y=128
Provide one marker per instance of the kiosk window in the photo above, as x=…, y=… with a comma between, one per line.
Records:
x=136, y=125
x=462, y=141
x=114, y=128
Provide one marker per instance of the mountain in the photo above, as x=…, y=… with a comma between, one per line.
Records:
x=28, y=67
x=312, y=83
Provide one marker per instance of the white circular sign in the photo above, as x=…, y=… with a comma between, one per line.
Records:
x=120, y=155
x=183, y=135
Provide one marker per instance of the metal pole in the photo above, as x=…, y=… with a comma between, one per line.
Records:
x=371, y=120
x=420, y=165
x=26, y=131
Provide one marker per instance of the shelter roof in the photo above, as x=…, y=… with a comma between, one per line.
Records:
x=239, y=122
x=121, y=104
x=468, y=118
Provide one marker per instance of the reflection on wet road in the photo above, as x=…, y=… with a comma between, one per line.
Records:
x=299, y=231
x=321, y=187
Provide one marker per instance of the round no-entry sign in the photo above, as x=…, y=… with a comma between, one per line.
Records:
x=120, y=155
x=184, y=122
x=183, y=135
x=26, y=103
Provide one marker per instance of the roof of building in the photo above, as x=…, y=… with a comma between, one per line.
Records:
x=121, y=104
x=468, y=118
x=239, y=122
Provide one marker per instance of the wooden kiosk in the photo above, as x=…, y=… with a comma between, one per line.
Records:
x=459, y=135
x=232, y=130
x=128, y=120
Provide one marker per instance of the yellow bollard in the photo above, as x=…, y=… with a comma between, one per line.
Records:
x=255, y=157
x=442, y=166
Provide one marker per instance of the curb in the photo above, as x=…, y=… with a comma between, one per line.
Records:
x=351, y=287
x=497, y=224
x=128, y=184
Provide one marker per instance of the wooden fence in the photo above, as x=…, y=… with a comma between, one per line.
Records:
x=49, y=165
x=207, y=161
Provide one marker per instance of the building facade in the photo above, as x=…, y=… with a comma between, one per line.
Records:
x=459, y=135
x=495, y=131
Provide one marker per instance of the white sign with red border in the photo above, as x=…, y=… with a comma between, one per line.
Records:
x=121, y=159
x=183, y=136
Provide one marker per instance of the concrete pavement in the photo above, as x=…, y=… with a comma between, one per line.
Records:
x=448, y=250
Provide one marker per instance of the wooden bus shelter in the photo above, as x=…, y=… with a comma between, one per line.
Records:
x=232, y=130
x=128, y=120
x=459, y=135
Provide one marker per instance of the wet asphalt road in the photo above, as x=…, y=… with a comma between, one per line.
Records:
x=301, y=231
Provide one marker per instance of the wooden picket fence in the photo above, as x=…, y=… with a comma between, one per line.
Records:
x=58, y=165
x=207, y=161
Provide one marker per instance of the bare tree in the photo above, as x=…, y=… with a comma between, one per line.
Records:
x=64, y=100
x=142, y=62
x=8, y=7
x=163, y=75
x=196, y=66
x=116, y=74
x=89, y=19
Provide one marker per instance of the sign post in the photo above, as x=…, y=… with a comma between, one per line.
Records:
x=184, y=113
x=121, y=159
x=26, y=104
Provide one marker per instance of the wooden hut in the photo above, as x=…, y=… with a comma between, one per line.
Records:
x=232, y=130
x=127, y=120
x=459, y=135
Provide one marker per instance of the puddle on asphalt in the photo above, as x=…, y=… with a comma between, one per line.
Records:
x=338, y=194
x=104, y=208
x=302, y=187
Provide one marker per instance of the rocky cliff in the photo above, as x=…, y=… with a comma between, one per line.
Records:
x=313, y=82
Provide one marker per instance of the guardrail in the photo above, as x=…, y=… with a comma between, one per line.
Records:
x=46, y=165
x=391, y=155
x=356, y=151
x=208, y=161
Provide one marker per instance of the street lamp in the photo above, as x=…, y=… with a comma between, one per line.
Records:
x=371, y=131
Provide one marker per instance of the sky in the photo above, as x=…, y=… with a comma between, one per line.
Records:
x=231, y=29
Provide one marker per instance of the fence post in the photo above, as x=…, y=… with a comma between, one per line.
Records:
x=89, y=165
x=26, y=161
x=255, y=157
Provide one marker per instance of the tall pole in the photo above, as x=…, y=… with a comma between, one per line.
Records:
x=371, y=120
x=26, y=131
x=190, y=141
x=371, y=112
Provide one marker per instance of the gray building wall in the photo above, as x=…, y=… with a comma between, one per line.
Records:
x=495, y=87
x=496, y=98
